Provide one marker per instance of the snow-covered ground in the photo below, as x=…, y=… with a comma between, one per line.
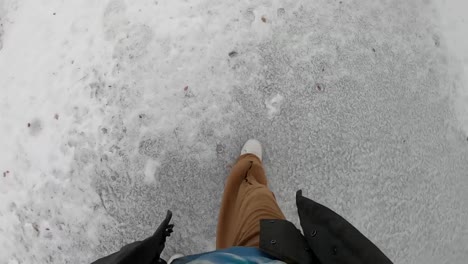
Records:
x=454, y=26
x=114, y=111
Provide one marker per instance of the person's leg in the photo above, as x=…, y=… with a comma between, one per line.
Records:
x=246, y=200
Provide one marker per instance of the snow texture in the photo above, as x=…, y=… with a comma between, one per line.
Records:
x=114, y=111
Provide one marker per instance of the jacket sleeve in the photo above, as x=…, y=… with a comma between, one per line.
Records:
x=332, y=238
x=147, y=251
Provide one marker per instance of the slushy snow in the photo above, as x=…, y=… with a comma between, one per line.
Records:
x=112, y=112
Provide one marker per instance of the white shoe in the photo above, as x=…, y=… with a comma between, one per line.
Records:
x=252, y=146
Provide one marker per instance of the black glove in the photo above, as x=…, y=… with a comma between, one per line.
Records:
x=147, y=251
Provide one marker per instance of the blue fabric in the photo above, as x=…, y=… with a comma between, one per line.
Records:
x=245, y=255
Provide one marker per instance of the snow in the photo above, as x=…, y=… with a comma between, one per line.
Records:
x=454, y=25
x=150, y=170
x=114, y=111
x=273, y=105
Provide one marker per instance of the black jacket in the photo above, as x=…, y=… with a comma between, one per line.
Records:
x=327, y=239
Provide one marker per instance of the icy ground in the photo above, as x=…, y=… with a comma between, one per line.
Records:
x=114, y=111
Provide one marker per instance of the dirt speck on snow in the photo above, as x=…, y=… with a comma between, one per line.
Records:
x=320, y=87
x=233, y=54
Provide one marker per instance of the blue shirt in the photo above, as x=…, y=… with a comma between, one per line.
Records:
x=244, y=255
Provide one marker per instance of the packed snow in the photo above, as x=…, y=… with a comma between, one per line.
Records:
x=113, y=112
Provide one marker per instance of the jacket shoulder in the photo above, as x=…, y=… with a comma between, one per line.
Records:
x=332, y=238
